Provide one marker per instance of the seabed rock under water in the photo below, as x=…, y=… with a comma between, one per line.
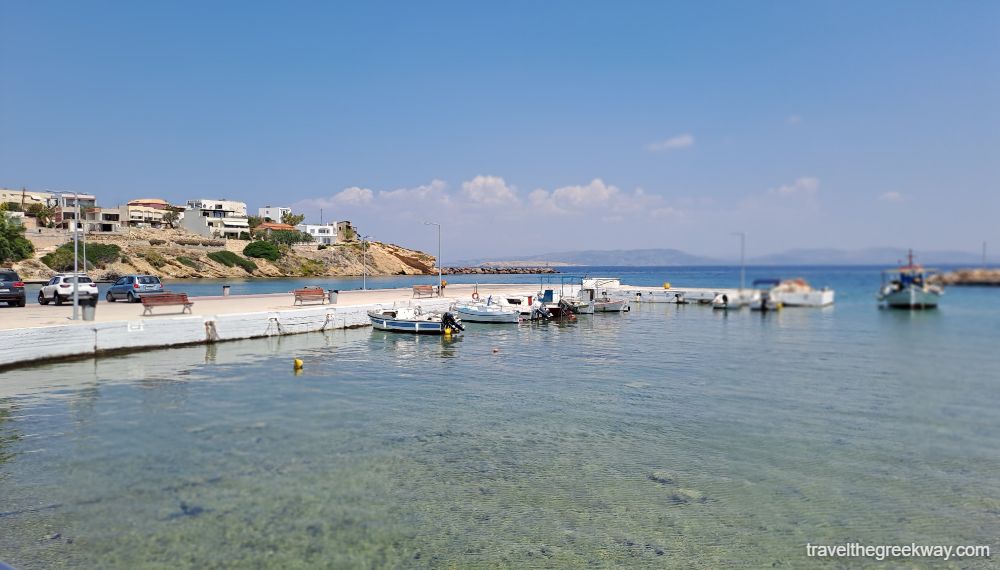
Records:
x=662, y=477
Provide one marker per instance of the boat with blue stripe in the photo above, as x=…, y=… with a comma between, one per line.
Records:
x=415, y=320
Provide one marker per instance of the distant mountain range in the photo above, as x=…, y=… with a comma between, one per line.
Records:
x=666, y=257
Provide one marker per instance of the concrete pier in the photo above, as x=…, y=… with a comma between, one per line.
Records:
x=38, y=333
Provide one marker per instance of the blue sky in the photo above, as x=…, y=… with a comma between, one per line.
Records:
x=524, y=127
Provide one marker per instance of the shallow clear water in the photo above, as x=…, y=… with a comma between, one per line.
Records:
x=671, y=436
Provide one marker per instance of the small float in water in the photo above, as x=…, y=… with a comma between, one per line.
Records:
x=414, y=320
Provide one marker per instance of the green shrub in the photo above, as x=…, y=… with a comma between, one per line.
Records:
x=312, y=268
x=230, y=259
x=321, y=246
x=98, y=255
x=184, y=260
x=157, y=241
x=13, y=245
x=288, y=237
x=245, y=236
x=154, y=259
x=262, y=250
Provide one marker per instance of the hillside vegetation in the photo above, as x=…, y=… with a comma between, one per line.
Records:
x=180, y=255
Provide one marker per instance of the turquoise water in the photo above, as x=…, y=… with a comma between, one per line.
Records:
x=671, y=436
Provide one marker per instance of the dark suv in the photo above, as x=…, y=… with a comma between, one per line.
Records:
x=11, y=288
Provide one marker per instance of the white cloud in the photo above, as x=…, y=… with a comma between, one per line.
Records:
x=675, y=143
x=434, y=192
x=793, y=120
x=489, y=190
x=353, y=196
x=604, y=199
x=892, y=197
x=805, y=186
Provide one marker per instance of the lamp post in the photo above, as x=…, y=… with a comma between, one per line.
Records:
x=364, y=262
x=743, y=269
x=438, y=261
x=76, y=262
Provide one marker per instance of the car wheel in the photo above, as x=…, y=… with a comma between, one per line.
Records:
x=21, y=303
x=132, y=298
x=41, y=299
x=110, y=297
x=57, y=298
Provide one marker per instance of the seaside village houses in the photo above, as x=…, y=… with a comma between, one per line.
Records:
x=203, y=216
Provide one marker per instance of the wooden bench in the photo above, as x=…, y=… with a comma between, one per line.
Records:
x=164, y=299
x=423, y=291
x=309, y=294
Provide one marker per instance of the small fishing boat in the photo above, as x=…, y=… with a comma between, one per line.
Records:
x=609, y=305
x=527, y=307
x=907, y=288
x=487, y=312
x=798, y=293
x=414, y=320
x=765, y=302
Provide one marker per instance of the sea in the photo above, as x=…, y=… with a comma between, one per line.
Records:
x=670, y=436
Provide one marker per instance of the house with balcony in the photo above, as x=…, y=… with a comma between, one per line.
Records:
x=145, y=213
x=216, y=218
x=325, y=234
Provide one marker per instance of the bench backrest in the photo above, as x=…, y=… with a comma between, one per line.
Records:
x=422, y=288
x=165, y=299
x=309, y=291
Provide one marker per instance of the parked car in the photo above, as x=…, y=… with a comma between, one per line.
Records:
x=11, y=288
x=133, y=287
x=60, y=289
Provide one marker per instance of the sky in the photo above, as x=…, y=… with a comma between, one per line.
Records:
x=525, y=127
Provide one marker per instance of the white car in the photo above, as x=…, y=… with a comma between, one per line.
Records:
x=60, y=289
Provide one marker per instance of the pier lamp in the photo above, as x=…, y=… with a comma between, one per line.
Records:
x=438, y=261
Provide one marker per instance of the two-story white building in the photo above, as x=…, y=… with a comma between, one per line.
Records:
x=216, y=218
x=325, y=234
x=275, y=213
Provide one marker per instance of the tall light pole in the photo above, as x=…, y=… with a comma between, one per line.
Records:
x=76, y=257
x=364, y=262
x=438, y=263
x=743, y=268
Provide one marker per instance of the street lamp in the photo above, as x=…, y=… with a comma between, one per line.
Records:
x=743, y=269
x=364, y=262
x=438, y=261
x=76, y=262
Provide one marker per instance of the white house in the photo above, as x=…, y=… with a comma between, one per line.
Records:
x=216, y=218
x=276, y=213
x=325, y=234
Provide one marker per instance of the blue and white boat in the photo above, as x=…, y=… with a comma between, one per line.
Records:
x=907, y=288
x=414, y=320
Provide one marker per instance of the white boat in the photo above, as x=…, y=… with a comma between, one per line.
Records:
x=798, y=293
x=528, y=307
x=907, y=288
x=487, y=312
x=414, y=320
x=608, y=305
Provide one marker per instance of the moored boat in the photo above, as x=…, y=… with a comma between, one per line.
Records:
x=487, y=312
x=907, y=288
x=414, y=320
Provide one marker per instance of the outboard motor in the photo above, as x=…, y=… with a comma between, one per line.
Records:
x=449, y=320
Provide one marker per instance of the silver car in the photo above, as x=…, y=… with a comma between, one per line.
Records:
x=132, y=287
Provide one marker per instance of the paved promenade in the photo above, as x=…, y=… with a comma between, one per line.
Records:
x=34, y=315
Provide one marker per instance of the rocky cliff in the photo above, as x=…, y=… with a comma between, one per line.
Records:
x=180, y=255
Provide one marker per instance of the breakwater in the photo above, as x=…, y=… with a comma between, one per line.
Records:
x=498, y=270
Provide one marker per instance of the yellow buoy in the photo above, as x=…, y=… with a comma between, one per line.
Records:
x=447, y=331
x=298, y=364
x=666, y=285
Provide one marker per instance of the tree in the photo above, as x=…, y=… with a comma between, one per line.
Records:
x=13, y=245
x=292, y=219
x=262, y=250
x=170, y=217
x=254, y=221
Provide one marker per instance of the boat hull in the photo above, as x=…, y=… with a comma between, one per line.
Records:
x=911, y=298
x=415, y=327
x=813, y=298
x=473, y=315
x=610, y=306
